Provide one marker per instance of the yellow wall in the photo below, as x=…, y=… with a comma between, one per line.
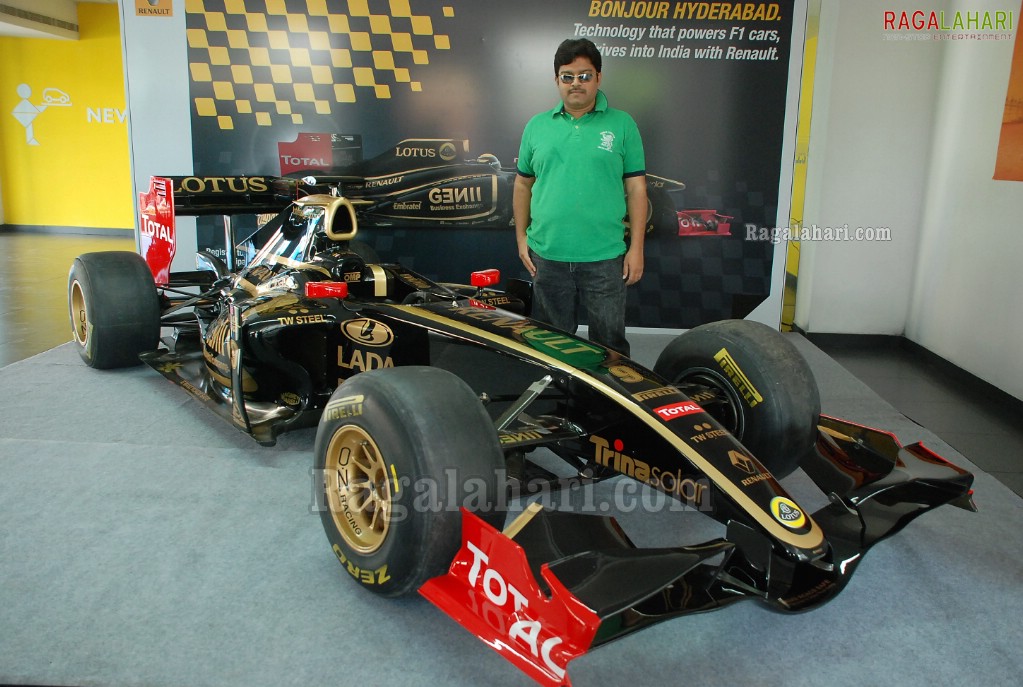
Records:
x=78, y=175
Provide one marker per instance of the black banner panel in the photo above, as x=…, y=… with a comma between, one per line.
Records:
x=427, y=100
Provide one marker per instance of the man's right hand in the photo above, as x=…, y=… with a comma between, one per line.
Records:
x=526, y=260
x=522, y=194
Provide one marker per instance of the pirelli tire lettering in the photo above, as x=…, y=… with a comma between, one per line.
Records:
x=765, y=397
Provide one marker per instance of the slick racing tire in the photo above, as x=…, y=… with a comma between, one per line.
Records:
x=114, y=308
x=763, y=390
x=661, y=214
x=399, y=451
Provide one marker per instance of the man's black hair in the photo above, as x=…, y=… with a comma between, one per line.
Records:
x=572, y=48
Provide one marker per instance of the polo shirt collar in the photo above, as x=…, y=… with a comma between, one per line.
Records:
x=599, y=106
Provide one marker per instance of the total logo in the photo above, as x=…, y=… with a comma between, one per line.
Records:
x=504, y=596
x=677, y=410
x=787, y=512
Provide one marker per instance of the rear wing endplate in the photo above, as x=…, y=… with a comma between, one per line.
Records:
x=169, y=197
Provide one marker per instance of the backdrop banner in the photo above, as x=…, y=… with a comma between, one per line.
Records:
x=292, y=87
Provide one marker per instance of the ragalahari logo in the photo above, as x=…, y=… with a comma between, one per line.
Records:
x=938, y=20
x=26, y=111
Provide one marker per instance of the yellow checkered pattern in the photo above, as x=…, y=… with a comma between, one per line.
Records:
x=273, y=63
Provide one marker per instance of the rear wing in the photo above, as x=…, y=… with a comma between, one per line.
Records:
x=175, y=196
x=220, y=195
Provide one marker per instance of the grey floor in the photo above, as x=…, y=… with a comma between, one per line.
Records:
x=145, y=542
x=977, y=423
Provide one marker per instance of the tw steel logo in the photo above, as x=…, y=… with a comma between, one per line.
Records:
x=222, y=185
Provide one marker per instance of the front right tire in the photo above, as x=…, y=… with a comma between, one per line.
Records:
x=766, y=393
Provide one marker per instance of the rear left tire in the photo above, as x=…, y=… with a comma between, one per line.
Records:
x=114, y=308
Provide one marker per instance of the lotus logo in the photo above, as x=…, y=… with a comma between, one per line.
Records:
x=367, y=332
x=787, y=512
x=448, y=151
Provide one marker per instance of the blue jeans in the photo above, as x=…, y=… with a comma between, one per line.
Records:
x=559, y=288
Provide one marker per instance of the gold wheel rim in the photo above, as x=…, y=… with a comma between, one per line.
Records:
x=79, y=315
x=358, y=489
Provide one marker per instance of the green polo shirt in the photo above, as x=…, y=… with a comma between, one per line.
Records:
x=578, y=199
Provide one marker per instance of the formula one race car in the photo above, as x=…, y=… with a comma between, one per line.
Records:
x=704, y=223
x=426, y=181
x=434, y=403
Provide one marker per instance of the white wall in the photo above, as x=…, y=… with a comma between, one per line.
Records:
x=904, y=136
x=966, y=304
x=159, y=115
x=870, y=141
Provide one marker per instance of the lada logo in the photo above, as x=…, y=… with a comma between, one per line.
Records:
x=367, y=332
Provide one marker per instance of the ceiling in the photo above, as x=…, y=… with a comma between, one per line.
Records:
x=41, y=18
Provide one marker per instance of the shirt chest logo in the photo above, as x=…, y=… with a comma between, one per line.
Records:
x=607, y=141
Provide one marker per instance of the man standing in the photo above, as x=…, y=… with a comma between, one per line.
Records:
x=581, y=168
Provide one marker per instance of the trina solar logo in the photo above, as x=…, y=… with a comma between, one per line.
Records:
x=611, y=455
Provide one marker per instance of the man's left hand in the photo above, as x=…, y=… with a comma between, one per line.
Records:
x=633, y=270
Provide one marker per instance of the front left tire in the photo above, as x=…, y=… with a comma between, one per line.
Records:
x=400, y=451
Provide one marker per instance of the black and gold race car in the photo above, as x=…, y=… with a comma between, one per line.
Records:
x=440, y=407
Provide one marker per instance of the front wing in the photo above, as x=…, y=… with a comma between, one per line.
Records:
x=554, y=584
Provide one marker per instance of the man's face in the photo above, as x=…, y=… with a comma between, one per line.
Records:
x=577, y=95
